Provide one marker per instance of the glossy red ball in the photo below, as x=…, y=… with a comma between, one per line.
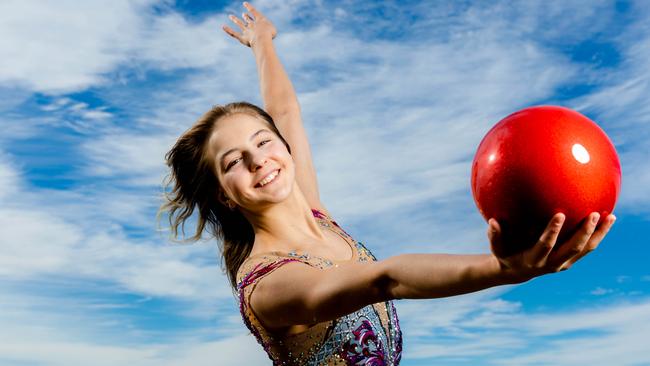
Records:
x=540, y=161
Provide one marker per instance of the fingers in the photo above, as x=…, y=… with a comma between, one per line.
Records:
x=251, y=24
x=237, y=21
x=547, y=241
x=600, y=233
x=569, y=252
x=231, y=32
x=241, y=24
x=593, y=242
x=249, y=7
x=549, y=238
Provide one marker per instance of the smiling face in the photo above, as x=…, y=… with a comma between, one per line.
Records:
x=245, y=153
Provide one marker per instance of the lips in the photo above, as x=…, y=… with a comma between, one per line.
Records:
x=258, y=185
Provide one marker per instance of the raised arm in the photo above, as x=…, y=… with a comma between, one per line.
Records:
x=279, y=97
x=298, y=294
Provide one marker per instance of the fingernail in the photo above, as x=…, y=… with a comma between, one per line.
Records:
x=595, y=218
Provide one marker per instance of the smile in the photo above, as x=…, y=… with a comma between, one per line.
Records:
x=269, y=178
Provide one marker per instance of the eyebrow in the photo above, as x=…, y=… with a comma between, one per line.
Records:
x=223, y=156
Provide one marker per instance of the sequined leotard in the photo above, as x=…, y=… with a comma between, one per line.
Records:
x=370, y=336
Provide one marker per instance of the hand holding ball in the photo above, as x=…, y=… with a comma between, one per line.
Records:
x=540, y=161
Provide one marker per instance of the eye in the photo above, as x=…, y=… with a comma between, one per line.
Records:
x=232, y=163
x=237, y=160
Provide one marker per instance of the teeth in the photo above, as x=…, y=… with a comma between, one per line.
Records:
x=269, y=178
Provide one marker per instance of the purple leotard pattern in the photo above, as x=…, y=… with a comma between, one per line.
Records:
x=370, y=336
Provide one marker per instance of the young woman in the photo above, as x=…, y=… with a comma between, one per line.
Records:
x=310, y=293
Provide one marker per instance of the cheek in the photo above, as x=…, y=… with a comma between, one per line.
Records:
x=288, y=158
x=229, y=184
x=232, y=181
x=280, y=150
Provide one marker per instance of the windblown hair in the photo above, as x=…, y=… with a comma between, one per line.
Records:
x=194, y=185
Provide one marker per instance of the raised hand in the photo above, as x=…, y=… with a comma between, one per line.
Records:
x=542, y=258
x=253, y=25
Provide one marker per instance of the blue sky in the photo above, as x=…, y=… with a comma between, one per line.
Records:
x=395, y=96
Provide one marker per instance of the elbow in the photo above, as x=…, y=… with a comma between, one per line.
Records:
x=387, y=286
x=390, y=290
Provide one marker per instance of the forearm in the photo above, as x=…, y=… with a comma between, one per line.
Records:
x=277, y=91
x=423, y=276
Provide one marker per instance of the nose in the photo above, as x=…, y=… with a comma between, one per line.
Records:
x=257, y=161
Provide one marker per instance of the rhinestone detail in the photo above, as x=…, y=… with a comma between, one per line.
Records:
x=368, y=336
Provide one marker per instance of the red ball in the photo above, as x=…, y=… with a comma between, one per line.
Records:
x=540, y=161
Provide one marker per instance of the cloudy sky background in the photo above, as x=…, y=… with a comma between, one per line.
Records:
x=396, y=97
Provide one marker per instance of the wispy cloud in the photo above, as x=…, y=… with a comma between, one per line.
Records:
x=599, y=291
x=395, y=107
x=504, y=334
x=9, y=178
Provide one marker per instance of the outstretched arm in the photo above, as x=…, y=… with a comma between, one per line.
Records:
x=299, y=294
x=465, y=273
x=279, y=97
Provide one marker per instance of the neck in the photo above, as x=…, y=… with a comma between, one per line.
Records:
x=285, y=226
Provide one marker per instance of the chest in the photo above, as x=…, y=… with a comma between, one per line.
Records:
x=335, y=247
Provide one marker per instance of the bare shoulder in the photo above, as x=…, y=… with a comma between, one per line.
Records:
x=298, y=293
x=284, y=292
x=321, y=208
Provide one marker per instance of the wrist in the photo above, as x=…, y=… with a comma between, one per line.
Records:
x=261, y=41
x=506, y=275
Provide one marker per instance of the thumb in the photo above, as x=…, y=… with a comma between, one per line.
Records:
x=493, y=227
x=494, y=234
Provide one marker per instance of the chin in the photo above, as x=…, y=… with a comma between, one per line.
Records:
x=277, y=196
x=280, y=195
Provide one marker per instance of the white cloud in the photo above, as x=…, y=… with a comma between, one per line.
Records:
x=500, y=331
x=621, y=109
x=600, y=291
x=393, y=124
x=612, y=335
x=622, y=278
x=57, y=104
x=61, y=326
x=136, y=160
x=58, y=233
x=34, y=243
x=170, y=42
x=445, y=314
x=9, y=178
x=64, y=45
x=68, y=46
x=468, y=83
x=50, y=338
